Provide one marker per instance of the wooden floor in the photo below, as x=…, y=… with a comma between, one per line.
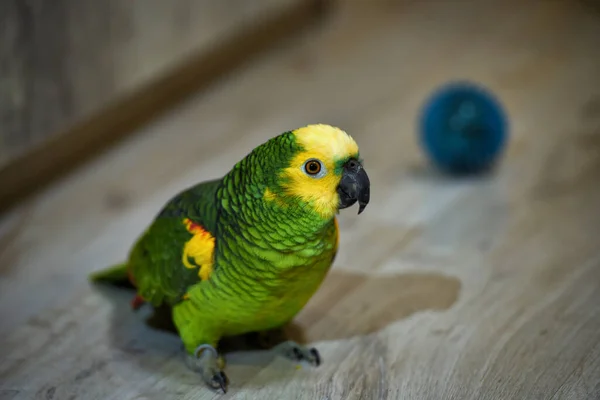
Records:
x=475, y=289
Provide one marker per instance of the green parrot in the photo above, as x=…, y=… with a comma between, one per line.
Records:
x=244, y=253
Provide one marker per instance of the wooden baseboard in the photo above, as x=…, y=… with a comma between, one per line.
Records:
x=39, y=167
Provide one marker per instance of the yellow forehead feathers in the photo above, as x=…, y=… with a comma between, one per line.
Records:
x=325, y=144
x=328, y=142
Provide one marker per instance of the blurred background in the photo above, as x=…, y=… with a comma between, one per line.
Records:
x=77, y=75
x=108, y=108
x=90, y=72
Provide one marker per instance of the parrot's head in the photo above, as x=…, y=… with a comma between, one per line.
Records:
x=322, y=170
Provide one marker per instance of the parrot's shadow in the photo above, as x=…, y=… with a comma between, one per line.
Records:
x=348, y=305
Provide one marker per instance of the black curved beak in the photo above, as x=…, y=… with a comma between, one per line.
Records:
x=354, y=186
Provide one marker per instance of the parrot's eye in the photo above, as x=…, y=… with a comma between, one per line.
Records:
x=312, y=167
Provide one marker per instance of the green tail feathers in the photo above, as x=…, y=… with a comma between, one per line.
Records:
x=115, y=274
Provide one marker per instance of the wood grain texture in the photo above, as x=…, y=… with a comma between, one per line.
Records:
x=66, y=59
x=473, y=289
x=66, y=96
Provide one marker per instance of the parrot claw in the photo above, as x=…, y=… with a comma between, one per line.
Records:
x=210, y=365
x=219, y=380
x=298, y=352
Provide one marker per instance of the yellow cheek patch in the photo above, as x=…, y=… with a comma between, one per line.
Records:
x=200, y=248
x=319, y=192
x=327, y=144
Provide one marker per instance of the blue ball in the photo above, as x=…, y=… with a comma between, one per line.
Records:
x=463, y=128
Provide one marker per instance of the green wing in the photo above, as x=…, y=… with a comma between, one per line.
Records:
x=155, y=263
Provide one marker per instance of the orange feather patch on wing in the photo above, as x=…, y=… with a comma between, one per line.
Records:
x=199, y=248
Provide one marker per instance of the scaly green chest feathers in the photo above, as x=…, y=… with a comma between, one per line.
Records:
x=276, y=234
x=278, y=204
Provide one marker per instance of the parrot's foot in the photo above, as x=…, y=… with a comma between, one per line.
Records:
x=210, y=364
x=298, y=352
